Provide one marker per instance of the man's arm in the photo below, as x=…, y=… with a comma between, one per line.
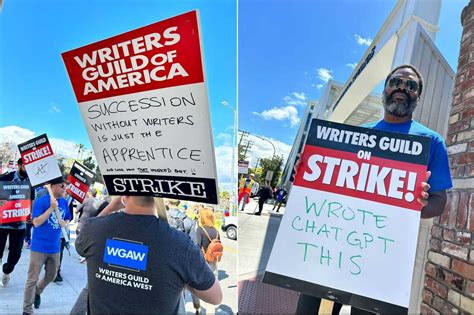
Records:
x=435, y=205
x=213, y=295
x=39, y=220
x=114, y=205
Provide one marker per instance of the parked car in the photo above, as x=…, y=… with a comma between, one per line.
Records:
x=229, y=226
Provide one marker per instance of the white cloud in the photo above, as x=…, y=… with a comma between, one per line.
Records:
x=324, y=74
x=224, y=164
x=363, y=41
x=300, y=95
x=281, y=113
x=351, y=65
x=54, y=109
x=263, y=149
x=295, y=101
x=15, y=135
x=319, y=86
x=225, y=138
x=65, y=148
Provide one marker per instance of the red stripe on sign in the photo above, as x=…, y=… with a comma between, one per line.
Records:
x=37, y=153
x=377, y=179
x=76, y=188
x=15, y=211
x=160, y=55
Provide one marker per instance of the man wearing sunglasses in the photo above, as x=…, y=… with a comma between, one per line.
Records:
x=402, y=92
x=46, y=242
x=403, y=88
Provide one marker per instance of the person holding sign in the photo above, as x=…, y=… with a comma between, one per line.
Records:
x=14, y=231
x=403, y=88
x=45, y=243
x=137, y=263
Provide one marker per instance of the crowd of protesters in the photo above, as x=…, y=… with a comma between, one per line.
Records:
x=178, y=241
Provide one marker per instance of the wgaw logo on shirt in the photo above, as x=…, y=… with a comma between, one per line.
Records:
x=126, y=253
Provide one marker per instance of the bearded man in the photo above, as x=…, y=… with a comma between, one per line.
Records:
x=402, y=92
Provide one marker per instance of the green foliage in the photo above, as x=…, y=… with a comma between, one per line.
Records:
x=98, y=176
x=89, y=162
x=266, y=165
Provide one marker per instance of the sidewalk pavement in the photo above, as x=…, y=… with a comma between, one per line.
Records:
x=256, y=237
x=60, y=297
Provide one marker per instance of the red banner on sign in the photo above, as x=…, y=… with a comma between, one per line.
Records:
x=37, y=153
x=156, y=56
x=15, y=211
x=377, y=179
x=76, y=188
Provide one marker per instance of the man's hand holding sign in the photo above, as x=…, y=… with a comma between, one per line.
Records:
x=354, y=211
x=354, y=192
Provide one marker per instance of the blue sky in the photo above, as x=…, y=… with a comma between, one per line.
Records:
x=35, y=92
x=288, y=48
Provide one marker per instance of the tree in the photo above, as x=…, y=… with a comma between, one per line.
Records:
x=266, y=165
x=80, y=148
x=89, y=162
x=6, y=153
x=224, y=194
x=62, y=167
x=98, y=176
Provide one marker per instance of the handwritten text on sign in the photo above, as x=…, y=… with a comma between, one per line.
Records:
x=144, y=102
x=352, y=218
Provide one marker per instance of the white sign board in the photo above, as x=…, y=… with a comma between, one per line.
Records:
x=351, y=222
x=40, y=163
x=144, y=102
x=243, y=167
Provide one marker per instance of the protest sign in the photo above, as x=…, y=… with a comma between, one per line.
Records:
x=243, y=167
x=143, y=98
x=18, y=204
x=350, y=228
x=39, y=160
x=80, y=178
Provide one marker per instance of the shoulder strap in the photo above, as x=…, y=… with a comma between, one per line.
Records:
x=204, y=229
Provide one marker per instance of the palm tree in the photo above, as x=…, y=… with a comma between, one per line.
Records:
x=80, y=148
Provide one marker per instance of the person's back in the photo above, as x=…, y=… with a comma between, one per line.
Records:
x=139, y=264
x=86, y=210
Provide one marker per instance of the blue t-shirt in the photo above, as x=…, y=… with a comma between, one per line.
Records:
x=438, y=164
x=47, y=237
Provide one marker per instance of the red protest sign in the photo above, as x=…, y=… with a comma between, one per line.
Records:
x=18, y=204
x=352, y=214
x=15, y=211
x=80, y=178
x=143, y=97
x=159, y=55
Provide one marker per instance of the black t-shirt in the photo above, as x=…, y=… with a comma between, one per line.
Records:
x=139, y=264
x=201, y=238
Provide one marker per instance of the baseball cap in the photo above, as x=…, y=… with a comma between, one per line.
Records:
x=58, y=180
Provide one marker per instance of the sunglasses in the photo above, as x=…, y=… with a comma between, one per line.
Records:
x=411, y=85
